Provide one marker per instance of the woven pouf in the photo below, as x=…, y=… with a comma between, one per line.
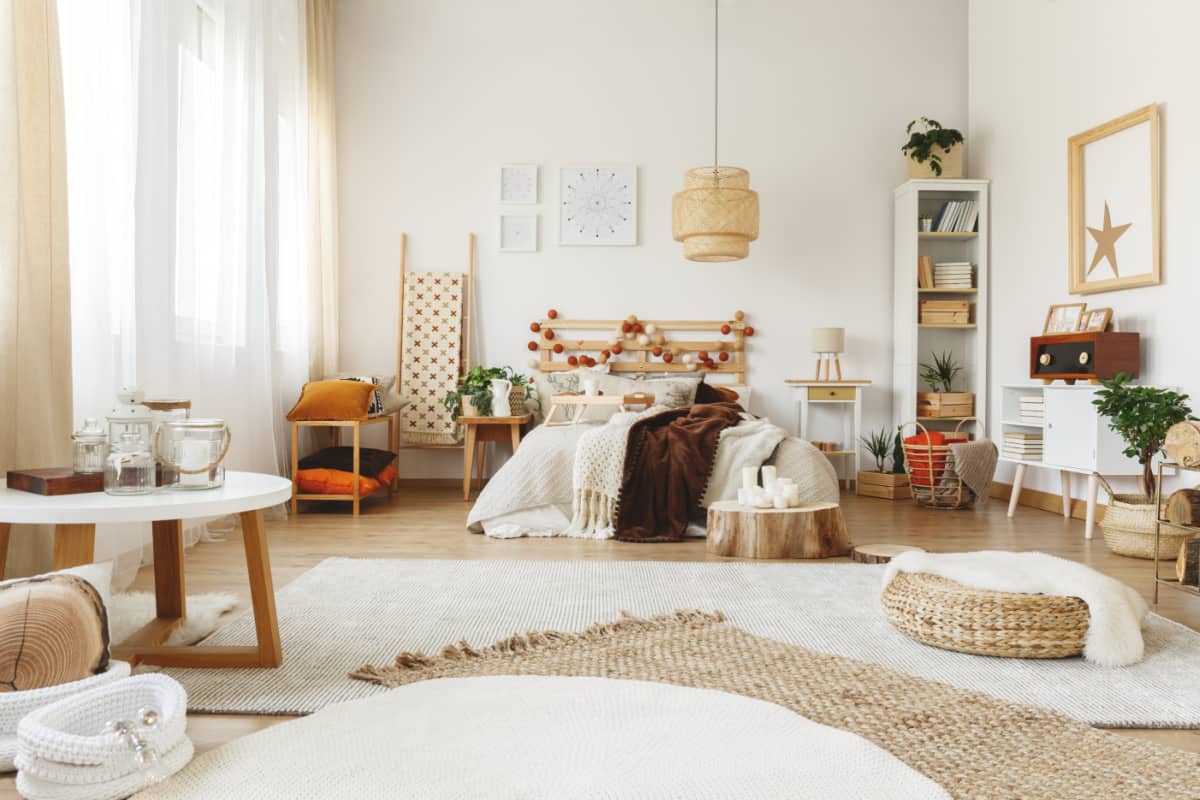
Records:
x=946, y=614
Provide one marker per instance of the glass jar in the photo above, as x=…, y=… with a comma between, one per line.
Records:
x=129, y=468
x=191, y=452
x=91, y=446
x=129, y=416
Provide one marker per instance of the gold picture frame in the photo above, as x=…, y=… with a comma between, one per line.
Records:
x=1084, y=221
x=1063, y=318
x=1095, y=319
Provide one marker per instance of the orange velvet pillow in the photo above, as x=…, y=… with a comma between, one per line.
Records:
x=333, y=400
x=335, y=481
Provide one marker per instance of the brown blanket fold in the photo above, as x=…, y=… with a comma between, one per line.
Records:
x=667, y=464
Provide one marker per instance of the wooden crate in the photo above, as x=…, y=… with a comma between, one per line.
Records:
x=945, y=312
x=885, y=485
x=945, y=404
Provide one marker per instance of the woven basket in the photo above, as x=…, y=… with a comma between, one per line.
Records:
x=946, y=614
x=516, y=402
x=932, y=476
x=1128, y=527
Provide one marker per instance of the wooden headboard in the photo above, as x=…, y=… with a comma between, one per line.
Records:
x=618, y=343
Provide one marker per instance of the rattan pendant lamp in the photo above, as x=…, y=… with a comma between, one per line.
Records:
x=716, y=214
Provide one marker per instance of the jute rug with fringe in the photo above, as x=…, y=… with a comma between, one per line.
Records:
x=971, y=744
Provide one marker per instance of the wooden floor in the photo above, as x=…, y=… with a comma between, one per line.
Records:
x=428, y=523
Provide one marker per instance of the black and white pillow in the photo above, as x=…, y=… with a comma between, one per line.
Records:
x=384, y=382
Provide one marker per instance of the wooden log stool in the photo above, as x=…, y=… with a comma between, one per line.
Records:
x=810, y=530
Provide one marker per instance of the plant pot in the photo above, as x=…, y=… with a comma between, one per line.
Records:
x=1128, y=527
x=468, y=407
x=945, y=404
x=884, y=485
x=952, y=164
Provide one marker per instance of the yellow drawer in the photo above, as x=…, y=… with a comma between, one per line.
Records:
x=831, y=393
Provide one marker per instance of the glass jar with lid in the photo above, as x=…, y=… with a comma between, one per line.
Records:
x=191, y=452
x=130, y=415
x=130, y=467
x=91, y=446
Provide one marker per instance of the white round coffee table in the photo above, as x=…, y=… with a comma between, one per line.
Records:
x=75, y=517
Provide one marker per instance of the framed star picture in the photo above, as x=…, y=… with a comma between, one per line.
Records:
x=597, y=205
x=1113, y=204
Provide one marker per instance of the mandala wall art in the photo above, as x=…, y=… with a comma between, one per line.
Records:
x=597, y=205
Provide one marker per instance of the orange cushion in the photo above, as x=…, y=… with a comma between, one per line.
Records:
x=335, y=481
x=926, y=468
x=333, y=400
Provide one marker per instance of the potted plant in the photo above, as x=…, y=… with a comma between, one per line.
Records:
x=941, y=400
x=933, y=151
x=473, y=395
x=880, y=482
x=1141, y=415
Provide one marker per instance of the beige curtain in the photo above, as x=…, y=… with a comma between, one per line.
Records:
x=35, y=307
x=322, y=191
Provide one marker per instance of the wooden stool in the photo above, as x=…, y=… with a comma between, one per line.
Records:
x=810, y=530
x=880, y=553
x=480, y=431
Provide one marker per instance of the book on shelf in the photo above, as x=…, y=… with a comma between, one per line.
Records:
x=1021, y=436
x=1032, y=398
x=924, y=272
x=957, y=216
x=954, y=275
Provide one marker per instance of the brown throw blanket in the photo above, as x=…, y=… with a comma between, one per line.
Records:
x=667, y=464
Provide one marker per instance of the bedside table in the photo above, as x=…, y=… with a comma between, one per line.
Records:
x=481, y=430
x=844, y=393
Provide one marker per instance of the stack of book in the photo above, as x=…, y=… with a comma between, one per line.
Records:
x=956, y=216
x=1023, y=446
x=1033, y=409
x=953, y=275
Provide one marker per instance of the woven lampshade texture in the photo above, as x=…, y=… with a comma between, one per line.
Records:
x=716, y=214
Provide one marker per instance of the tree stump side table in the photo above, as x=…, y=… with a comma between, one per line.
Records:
x=810, y=530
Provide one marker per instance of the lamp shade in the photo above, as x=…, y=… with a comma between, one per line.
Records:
x=829, y=340
x=716, y=214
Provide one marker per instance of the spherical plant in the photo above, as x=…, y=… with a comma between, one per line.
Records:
x=739, y=315
x=552, y=314
x=548, y=333
x=689, y=358
x=617, y=349
x=573, y=361
x=668, y=357
x=632, y=318
x=651, y=328
x=660, y=339
x=643, y=339
x=603, y=359
x=748, y=330
x=626, y=327
x=657, y=351
x=637, y=327
x=710, y=364
x=535, y=326
x=558, y=348
x=533, y=345
x=605, y=353
x=723, y=356
x=533, y=363
x=591, y=362
x=702, y=355
x=725, y=329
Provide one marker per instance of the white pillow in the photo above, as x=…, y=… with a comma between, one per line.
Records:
x=570, y=381
x=672, y=392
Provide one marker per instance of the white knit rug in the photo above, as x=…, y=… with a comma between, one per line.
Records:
x=550, y=737
x=348, y=612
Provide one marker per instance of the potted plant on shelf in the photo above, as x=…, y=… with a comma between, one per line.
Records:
x=941, y=400
x=1141, y=415
x=474, y=394
x=880, y=482
x=933, y=151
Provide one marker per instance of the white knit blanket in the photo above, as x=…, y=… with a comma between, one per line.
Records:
x=1114, y=636
x=596, y=478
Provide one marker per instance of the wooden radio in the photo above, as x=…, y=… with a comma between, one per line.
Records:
x=1094, y=356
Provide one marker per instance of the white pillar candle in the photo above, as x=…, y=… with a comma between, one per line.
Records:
x=193, y=455
x=768, y=474
x=742, y=497
x=779, y=502
x=749, y=478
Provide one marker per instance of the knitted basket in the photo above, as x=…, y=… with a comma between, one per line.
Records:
x=949, y=615
x=1128, y=527
x=516, y=402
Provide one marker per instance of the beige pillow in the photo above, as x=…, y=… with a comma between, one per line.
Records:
x=571, y=381
x=672, y=392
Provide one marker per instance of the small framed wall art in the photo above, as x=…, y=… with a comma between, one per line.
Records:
x=1063, y=318
x=519, y=184
x=1113, y=204
x=1095, y=319
x=597, y=204
x=518, y=233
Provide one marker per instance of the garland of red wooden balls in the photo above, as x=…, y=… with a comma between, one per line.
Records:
x=631, y=328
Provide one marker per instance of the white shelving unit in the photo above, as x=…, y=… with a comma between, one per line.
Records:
x=915, y=343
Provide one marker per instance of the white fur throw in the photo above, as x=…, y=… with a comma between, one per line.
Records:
x=1114, y=636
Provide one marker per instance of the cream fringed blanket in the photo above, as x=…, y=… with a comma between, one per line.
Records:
x=596, y=479
x=973, y=745
x=431, y=357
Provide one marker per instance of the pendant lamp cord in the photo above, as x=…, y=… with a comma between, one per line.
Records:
x=716, y=80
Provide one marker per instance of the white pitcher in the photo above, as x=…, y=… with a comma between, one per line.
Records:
x=501, y=389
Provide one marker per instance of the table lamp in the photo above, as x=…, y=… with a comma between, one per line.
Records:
x=828, y=344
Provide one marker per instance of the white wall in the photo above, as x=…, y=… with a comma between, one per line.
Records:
x=433, y=95
x=1040, y=72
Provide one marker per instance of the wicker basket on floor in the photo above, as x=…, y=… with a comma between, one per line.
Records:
x=932, y=476
x=1128, y=527
x=946, y=614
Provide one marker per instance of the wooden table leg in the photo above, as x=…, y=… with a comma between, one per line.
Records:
x=74, y=545
x=1018, y=482
x=169, y=593
x=480, y=457
x=262, y=589
x=5, y=530
x=468, y=460
x=516, y=436
x=295, y=465
x=1065, y=477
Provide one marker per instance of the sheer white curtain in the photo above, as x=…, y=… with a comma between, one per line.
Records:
x=187, y=162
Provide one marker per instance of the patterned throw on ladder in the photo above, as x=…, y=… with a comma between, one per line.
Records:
x=432, y=357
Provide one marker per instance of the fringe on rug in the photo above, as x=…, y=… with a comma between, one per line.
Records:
x=595, y=512
x=531, y=641
x=415, y=438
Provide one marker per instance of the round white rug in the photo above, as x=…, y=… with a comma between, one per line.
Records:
x=549, y=737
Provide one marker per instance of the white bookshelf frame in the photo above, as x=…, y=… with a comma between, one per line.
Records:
x=913, y=342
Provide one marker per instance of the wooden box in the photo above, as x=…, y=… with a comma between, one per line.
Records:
x=945, y=312
x=945, y=404
x=885, y=485
x=55, y=481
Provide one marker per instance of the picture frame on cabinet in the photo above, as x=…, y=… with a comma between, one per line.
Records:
x=1095, y=319
x=598, y=205
x=1064, y=318
x=518, y=233
x=1113, y=201
x=519, y=184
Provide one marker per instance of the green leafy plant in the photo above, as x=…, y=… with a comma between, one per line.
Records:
x=930, y=143
x=939, y=376
x=1141, y=415
x=898, y=451
x=878, y=444
x=477, y=386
